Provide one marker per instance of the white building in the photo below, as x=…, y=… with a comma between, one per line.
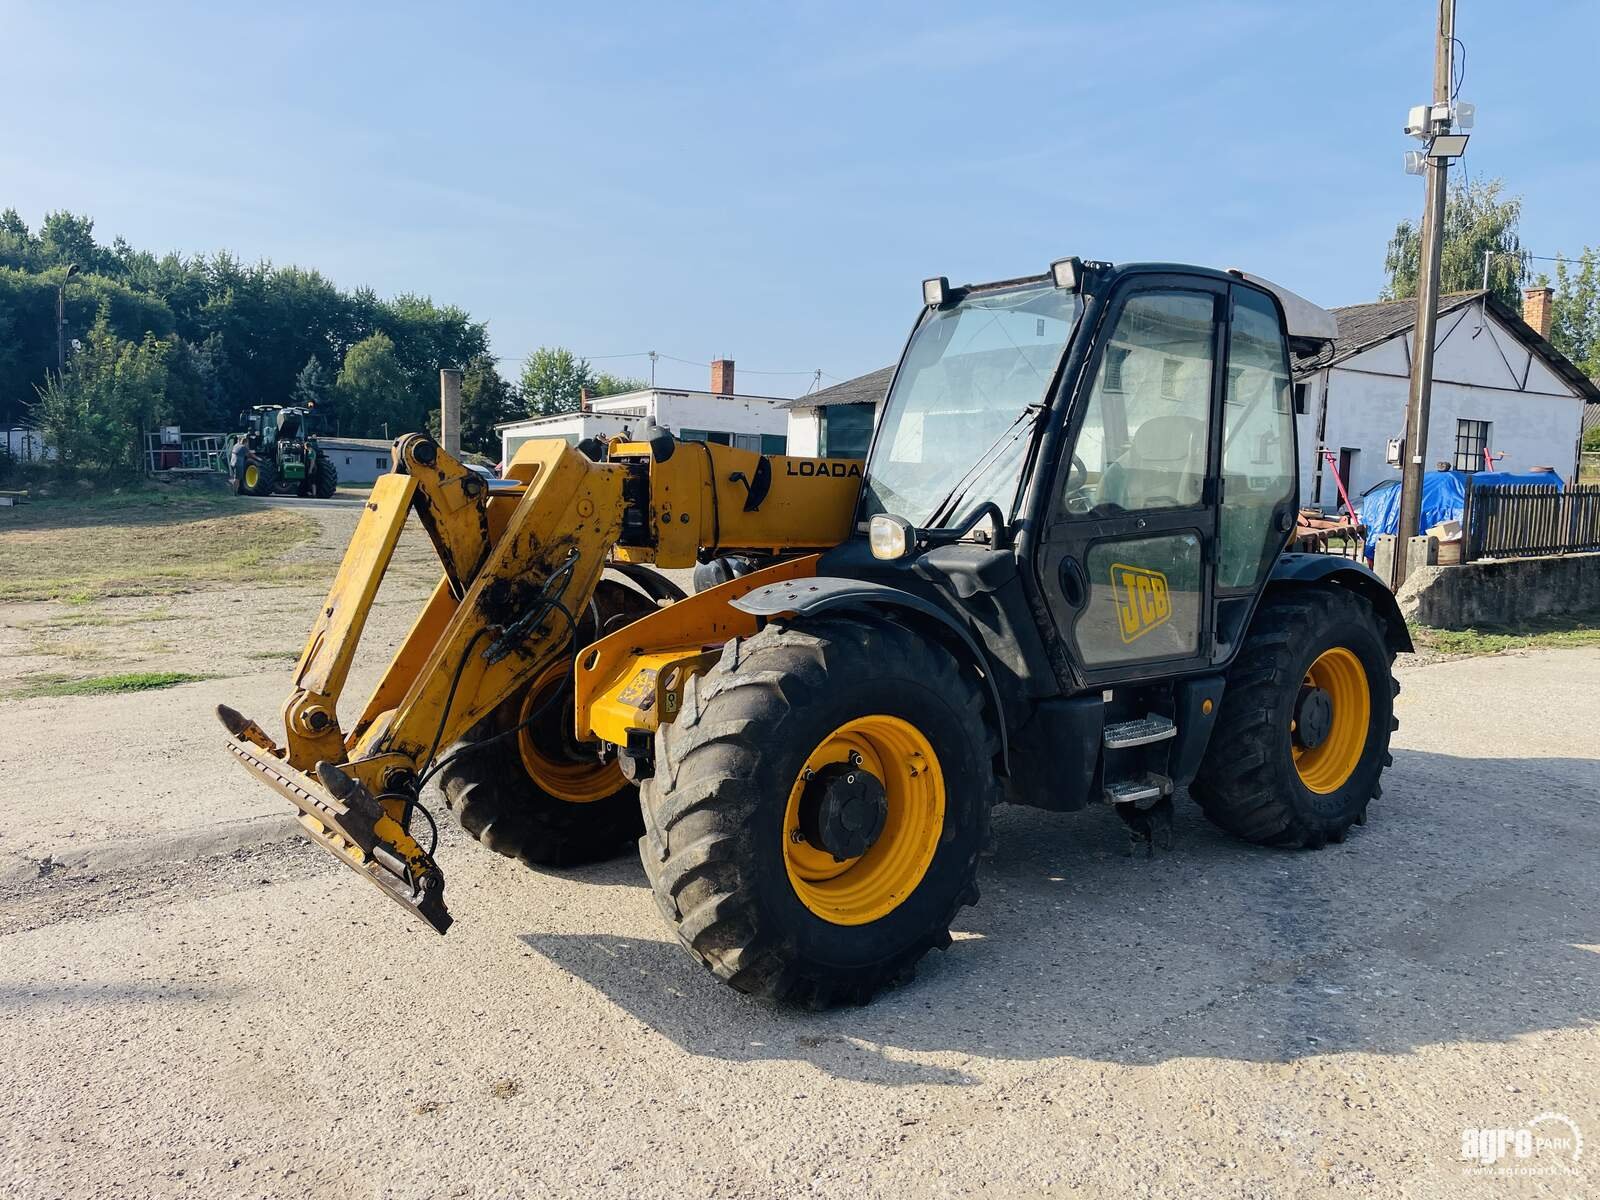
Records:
x=837, y=421
x=1498, y=386
x=718, y=415
x=358, y=460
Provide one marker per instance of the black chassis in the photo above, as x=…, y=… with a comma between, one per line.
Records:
x=985, y=601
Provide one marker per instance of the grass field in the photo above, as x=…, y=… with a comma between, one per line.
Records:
x=140, y=543
x=1581, y=629
x=36, y=686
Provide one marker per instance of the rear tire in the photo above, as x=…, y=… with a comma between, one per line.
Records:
x=1258, y=780
x=539, y=795
x=747, y=894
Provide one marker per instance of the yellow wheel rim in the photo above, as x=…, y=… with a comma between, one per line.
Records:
x=551, y=759
x=252, y=476
x=1326, y=767
x=866, y=888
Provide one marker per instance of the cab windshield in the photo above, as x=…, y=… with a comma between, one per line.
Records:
x=974, y=378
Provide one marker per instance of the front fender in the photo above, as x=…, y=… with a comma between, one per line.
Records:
x=824, y=593
x=1300, y=570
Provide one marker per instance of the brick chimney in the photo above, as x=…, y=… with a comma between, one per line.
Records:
x=1536, y=308
x=583, y=399
x=722, y=376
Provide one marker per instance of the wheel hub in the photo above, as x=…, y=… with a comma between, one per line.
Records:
x=843, y=810
x=1313, y=717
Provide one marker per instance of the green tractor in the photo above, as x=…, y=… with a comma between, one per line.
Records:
x=277, y=451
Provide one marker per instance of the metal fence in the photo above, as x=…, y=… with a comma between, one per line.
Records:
x=1529, y=520
x=27, y=446
x=191, y=452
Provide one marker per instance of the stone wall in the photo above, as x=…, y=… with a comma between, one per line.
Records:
x=1501, y=591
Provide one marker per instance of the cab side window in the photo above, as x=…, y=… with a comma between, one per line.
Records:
x=1144, y=436
x=1257, y=442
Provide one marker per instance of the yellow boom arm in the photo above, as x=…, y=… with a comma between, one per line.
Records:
x=521, y=558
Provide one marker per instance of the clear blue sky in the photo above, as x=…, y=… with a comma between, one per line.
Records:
x=773, y=181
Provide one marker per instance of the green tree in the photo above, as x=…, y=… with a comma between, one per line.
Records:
x=1477, y=218
x=1575, y=309
x=66, y=238
x=196, y=394
x=270, y=319
x=310, y=385
x=18, y=247
x=372, y=390
x=113, y=391
x=606, y=384
x=553, y=381
x=28, y=326
x=487, y=398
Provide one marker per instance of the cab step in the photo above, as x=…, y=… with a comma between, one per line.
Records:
x=1141, y=731
x=1141, y=791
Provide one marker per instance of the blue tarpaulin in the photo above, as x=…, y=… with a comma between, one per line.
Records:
x=1443, y=498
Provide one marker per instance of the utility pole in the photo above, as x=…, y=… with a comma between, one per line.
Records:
x=61, y=319
x=1421, y=393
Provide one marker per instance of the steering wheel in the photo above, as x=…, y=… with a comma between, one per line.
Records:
x=1077, y=495
x=1077, y=468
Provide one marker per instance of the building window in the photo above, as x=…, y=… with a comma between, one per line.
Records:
x=774, y=443
x=844, y=430
x=1472, y=439
x=1300, y=398
x=692, y=435
x=715, y=436
x=1115, y=357
x=1169, y=378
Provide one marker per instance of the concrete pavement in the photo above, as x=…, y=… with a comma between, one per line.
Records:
x=1222, y=1020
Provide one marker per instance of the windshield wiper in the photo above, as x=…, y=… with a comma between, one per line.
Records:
x=958, y=491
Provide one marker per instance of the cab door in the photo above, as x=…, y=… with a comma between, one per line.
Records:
x=1128, y=564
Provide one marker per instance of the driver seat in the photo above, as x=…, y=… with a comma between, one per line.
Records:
x=1164, y=465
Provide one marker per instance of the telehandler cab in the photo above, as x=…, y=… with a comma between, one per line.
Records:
x=1058, y=579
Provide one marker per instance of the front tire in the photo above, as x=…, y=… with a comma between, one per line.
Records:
x=1303, y=734
x=755, y=843
x=538, y=794
x=260, y=477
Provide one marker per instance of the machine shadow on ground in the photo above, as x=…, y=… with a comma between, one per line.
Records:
x=1465, y=910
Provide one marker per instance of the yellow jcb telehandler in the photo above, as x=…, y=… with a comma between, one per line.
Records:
x=1057, y=579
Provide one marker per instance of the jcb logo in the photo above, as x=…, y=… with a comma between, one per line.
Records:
x=1142, y=600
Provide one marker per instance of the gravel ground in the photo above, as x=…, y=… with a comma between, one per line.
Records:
x=193, y=1002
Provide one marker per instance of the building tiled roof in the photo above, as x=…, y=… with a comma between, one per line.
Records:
x=863, y=389
x=1362, y=326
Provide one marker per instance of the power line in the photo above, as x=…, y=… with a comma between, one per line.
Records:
x=688, y=362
